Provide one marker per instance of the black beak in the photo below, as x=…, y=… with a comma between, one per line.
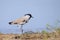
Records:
x=32, y=17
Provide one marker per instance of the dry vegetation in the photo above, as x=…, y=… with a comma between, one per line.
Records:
x=44, y=35
x=32, y=36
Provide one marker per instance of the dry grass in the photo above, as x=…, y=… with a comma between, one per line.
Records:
x=32, y=36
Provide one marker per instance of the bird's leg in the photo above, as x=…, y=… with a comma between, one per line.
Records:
x=21, y=29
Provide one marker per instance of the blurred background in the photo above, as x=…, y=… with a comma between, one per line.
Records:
x=43, y=11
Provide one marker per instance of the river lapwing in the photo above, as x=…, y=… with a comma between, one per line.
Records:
x=21, y=21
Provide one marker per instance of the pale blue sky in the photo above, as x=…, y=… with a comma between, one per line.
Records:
x=43, y=11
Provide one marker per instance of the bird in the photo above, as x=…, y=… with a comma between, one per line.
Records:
x=21, y=21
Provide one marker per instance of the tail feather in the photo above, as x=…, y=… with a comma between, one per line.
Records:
x=10, y=22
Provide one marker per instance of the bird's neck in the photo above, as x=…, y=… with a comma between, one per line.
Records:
x=27, y=16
